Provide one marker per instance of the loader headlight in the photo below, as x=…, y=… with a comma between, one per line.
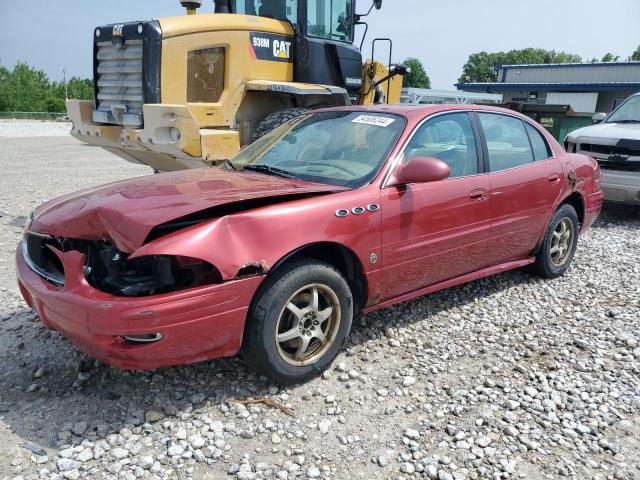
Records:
x=98, y=33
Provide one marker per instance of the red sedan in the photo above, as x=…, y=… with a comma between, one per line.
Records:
x=336, y=212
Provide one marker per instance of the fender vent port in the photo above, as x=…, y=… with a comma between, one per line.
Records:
x=205, y=75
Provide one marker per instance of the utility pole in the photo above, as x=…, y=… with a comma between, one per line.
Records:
x=66, y=87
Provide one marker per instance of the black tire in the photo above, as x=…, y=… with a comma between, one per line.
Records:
x=261, y=348
x=545, y=265
x=275, y=119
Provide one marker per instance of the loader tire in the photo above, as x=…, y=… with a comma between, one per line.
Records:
x=275, y=119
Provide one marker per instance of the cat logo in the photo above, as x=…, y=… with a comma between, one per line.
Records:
x=117, y=30
x=270, y=47
x=282, y=49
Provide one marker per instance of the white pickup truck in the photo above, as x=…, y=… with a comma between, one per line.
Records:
x=615, y=143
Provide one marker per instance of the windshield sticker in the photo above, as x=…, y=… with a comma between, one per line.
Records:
x=373, y=120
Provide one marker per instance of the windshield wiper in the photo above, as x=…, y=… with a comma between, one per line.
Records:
x=228, y=164
x=269, y=170
x=625, y=121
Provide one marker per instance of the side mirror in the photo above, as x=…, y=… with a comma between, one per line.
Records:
x=598, y=117
x=420, y=170
x=378, y=4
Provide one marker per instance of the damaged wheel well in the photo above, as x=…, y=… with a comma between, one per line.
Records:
x=342, y=258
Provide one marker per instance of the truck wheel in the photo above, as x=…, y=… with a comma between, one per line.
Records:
x=276, y=119
x=298, y=322
x=559, y=244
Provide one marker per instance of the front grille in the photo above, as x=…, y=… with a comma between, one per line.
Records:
x=607, y=150
x=126, y=71
x=205, y=75
x=625, y=156
x=618, y=165
x=41, y=258
x=120, y=95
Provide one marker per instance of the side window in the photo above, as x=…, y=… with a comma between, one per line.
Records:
x=331, y=19
x=541, y=150
x=449, y=138
x=507, y=141
x=278, y=9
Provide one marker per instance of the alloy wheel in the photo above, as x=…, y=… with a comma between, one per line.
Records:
x=308, y=324
x=562, y=242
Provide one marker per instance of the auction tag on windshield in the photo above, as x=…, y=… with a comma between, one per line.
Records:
x=373, y=120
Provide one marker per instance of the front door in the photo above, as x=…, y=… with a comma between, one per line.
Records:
x=435, y=231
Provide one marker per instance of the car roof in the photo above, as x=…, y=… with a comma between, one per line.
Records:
x=414, y=112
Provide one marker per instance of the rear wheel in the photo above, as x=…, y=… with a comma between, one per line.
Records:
x=559, y=244
x=298, y=322
x=276, y=119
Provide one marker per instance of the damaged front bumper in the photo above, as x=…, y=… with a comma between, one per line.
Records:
x=175, y=328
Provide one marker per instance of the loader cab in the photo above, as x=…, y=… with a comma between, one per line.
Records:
x=324, y=52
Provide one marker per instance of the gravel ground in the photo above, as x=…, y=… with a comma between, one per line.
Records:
x=33, y=128
x=506, y=377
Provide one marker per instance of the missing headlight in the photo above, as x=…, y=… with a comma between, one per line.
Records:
x=111, y=271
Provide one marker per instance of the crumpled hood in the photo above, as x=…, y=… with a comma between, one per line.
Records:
x=611, y=131
x=125, y=212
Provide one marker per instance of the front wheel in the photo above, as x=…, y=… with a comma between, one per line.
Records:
x=298, y=322
x=559, y=244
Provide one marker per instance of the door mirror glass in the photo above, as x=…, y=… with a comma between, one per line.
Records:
x=598, y=117
x=420, y=170
x=378, y=4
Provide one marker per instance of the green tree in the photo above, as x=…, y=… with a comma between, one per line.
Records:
x=4, y=75
x=635, y=56
x=610, y=57
x=418, y=77
x=483, y=66
x=25, y=89
x=81, y=88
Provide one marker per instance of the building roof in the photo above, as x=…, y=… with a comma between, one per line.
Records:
x=548, y=86
x=572, y=65
x=563, y=77
x=416, y=95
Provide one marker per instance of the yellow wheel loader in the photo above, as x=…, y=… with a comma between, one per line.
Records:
x=176, y=92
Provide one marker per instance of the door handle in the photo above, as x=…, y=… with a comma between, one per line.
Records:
x=478, y=194
x=553, y=178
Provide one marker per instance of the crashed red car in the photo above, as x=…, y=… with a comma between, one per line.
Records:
x=336, y=212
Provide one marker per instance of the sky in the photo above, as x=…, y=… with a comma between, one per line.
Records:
x=51, y=34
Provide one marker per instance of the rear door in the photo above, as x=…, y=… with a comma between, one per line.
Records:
x=526, y=181
x=437, y=230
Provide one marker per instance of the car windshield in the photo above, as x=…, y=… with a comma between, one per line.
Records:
x=345, y=148
x=629, y=112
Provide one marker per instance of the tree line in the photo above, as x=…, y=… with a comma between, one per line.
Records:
x=25, y=89
x=483, y=66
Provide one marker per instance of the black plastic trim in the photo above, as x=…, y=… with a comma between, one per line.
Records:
x=151, y=61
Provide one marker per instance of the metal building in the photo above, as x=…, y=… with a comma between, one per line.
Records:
x=427, y=96
x=586, y=87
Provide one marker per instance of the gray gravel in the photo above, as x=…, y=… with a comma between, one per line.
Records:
x=506, y=377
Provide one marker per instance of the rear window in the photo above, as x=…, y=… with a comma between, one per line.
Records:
x=541, y=150
x=507, y=141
